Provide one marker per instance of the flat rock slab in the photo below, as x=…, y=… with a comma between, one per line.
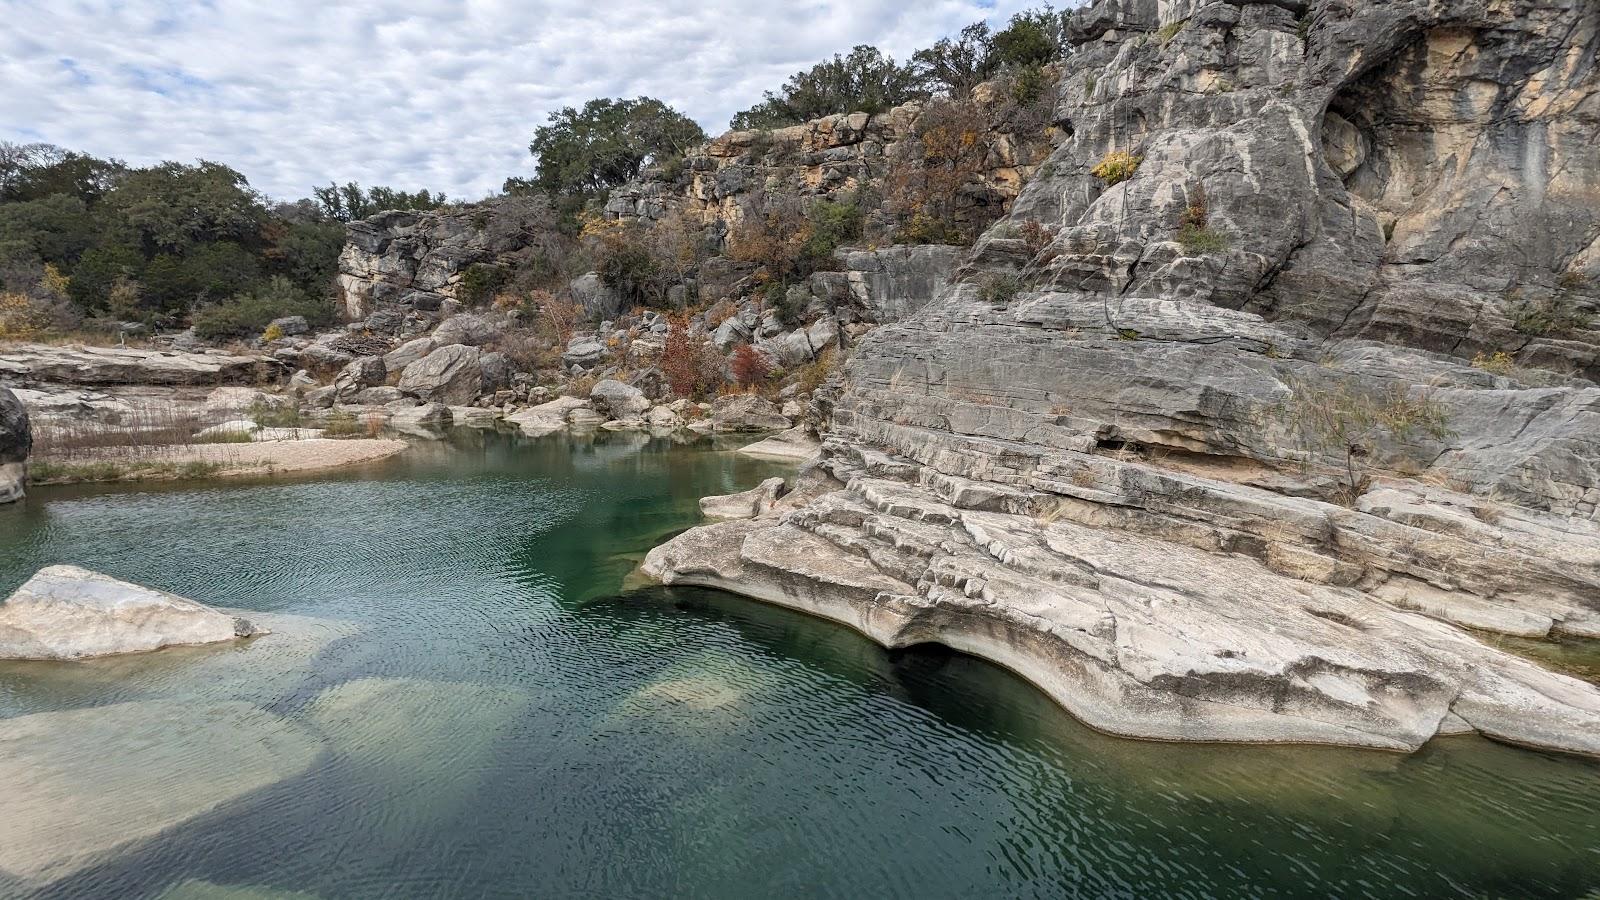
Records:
x=81, y=783
x=795, y=443
x=64, y=612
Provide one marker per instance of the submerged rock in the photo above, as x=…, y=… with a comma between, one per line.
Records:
x=795, y=443
x=64, y=612
x=84, y=783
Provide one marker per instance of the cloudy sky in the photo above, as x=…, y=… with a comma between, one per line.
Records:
x=442, y=94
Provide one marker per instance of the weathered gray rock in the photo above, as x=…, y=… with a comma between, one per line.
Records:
x=584, y=351
x=64, y=612
x=619, y=401
x=465, y=328
x=126, y=365
x=16, y=441
x=547, y=418
x=452, y=375
x=1093, y=458
x=597, y=300
x=425, y=419
x=746, y=504
x=290, y=325
x=404, y=355
x=360, y=374
x=746, y=412
x=796, y=443
x=888, y=284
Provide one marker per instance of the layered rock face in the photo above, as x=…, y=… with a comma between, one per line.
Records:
x=1104, y=458
x=16, y=440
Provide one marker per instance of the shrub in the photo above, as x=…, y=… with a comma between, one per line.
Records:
x=1498, y=363
x=1198, y=241
x=1116, y=167
x=248, y=314
x=342, y=425
x=789, y=309
x=1553, y=316
x=1353, y=421
x=692, y=367
x=1170, y=30
x=750, y=366
x=999, y=289
x=1035, y=235
x=480, y=282
x=930, y=174
x=1028, y=85
x=273, y=333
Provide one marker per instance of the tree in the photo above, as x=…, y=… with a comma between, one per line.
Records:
x=583, y=154
x=36, y=171
x=1350, y=420
x=349, y=202
x=956, y=66
x=172, y=206
x=864, y=81
x=1034, y=37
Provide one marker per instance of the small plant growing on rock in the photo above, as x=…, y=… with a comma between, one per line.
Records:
x=1554, y=316
x=1498, y=363
x=1194, y=226
x=1353, y=421
x=273, y=333
x=1170, y=30
x=1116, y=167
x=999, y=290
x=1036, y=235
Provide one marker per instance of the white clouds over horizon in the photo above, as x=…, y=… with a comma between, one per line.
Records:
x=442, y=94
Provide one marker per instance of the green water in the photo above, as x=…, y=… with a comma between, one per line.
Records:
x=484, y=710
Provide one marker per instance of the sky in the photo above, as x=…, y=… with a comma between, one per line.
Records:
x=437, y=94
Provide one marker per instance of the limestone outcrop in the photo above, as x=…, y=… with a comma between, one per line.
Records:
x=1274, y=387
x=16, y=440
x=24, y=364
x=65, y=612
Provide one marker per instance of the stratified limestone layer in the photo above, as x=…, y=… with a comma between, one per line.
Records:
x=1147, y=634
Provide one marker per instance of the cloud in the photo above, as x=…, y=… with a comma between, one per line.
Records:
x=442, y=94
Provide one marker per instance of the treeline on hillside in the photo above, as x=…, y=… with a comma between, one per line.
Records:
x=867, y=80
x=84, y=238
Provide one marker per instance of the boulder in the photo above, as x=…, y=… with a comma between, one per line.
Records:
x=360, y=374
x=746, y=412
x=583, y=350
x=404, y=355
x=497, y=372
x=64, y=612
x=16, y=441
x=597, y=300
x=236, y=400
x=427, y=418
x=663, y=418
x=301, y=381
x=465, y=328
x=382, y=395
x=290, y=326
x=746, y=504
x=127, y=365
x=452, y=375
x=617, y=400
x=547, y=418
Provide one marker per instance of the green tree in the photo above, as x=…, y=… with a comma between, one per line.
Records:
x=583, y=154
x=957, y=65
x=865, y=80
x=173, y=206
x=98, y=270
x=57, y=228
x=350, y=201
x=35, y=171
x=1033, y=38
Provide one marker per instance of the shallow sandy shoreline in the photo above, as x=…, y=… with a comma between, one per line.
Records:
x=259, y=458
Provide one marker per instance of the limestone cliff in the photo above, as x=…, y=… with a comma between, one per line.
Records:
x=1298, y=387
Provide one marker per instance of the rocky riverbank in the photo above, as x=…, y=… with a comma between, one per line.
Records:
x=1215, y=459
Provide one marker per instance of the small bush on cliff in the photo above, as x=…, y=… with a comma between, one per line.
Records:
x=1194, y=226
x=750, y=367
x=480, y=282
x=999, y=289
x=692, y=367
x=1352, y=421
x=1551, y=317
x=1116, y=167
x=865, y=80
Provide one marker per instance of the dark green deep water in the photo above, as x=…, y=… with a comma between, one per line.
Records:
x=558, y=735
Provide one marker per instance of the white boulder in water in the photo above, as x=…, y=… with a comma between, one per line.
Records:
x=64, y=612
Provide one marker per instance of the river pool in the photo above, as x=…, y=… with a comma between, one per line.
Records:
x=469, y=695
